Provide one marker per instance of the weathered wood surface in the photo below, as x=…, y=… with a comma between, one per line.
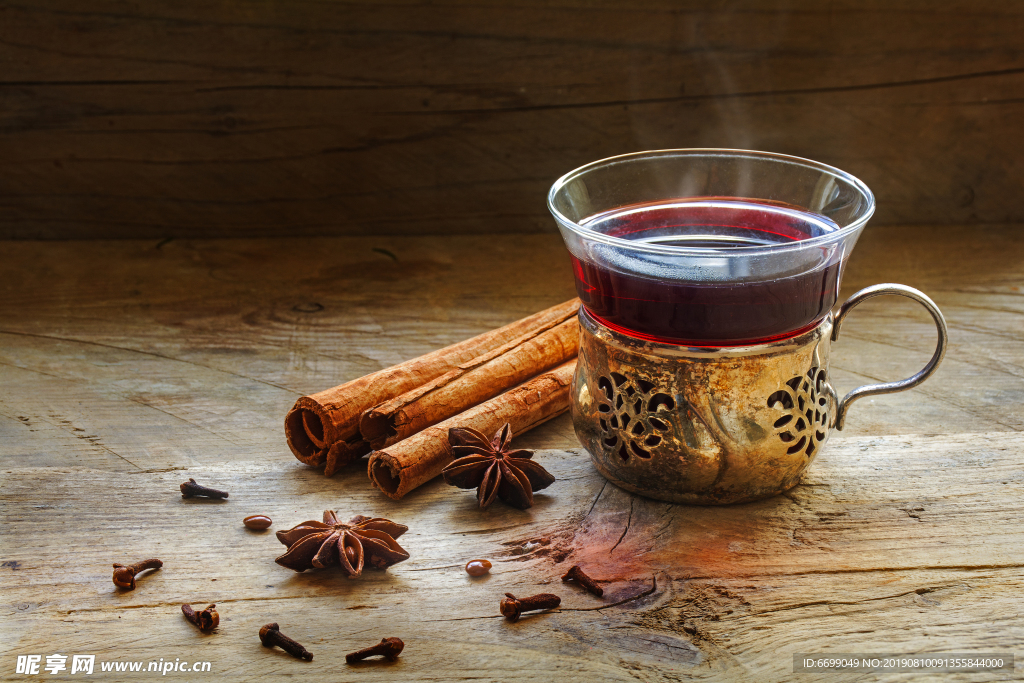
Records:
x=127, y=367
x=245, y=118
x=137, y=355
x=892, y=544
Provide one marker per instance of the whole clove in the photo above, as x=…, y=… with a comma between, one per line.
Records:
x=206, y=620
x=191, y=489
x=579, y=576
x=511, y=606
x=270, y=635
x=124, y=574
x=389, y=648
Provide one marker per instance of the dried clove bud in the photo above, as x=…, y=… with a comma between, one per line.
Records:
x=387, y=647
x=511, y=607
x=206, y=620
x=579, y=576
x=124, y=574
x=270, y=635
x=190, y=488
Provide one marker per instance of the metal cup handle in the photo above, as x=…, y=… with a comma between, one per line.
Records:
x=902, y=385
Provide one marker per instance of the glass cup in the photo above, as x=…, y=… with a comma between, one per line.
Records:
x=708, y=278
x=709, y=247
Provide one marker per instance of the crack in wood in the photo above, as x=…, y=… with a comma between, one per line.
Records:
x=629, y=520
x=603, y=487
x=145, y=353
x=431, y=569
x=862, y=570
x=178, y=417
x=643, y=594
x=789, y=92
x=818, y=603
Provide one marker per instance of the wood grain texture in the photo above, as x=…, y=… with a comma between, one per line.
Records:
x=141, y=355
x=905, y=543
x=246, y=118
x=129, y=366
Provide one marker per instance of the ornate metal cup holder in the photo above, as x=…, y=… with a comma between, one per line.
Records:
x=711, y=426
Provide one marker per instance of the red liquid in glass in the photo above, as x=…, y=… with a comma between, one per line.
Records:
x=721, y=310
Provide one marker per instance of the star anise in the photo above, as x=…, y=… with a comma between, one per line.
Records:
x=493, y=469
x=349, y=545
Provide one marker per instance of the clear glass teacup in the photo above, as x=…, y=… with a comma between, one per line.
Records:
x=709, y=247
x=708, y=278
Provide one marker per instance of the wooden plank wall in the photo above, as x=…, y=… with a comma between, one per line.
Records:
x=271, y=117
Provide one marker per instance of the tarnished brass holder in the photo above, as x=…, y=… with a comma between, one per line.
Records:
x=711, y=426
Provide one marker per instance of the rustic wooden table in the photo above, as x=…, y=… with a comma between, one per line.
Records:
x=127, y=367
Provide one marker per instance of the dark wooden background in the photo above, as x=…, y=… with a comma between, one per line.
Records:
x=231, y=118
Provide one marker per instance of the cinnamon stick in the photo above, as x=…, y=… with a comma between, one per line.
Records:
x=317, y=423
x=342, y=453
x=469, y=384
x=400, y=468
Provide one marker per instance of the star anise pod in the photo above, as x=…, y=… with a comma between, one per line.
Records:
x=493, y=469
x=349, y=545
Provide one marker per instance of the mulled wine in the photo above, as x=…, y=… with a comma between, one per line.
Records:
x=729, y=296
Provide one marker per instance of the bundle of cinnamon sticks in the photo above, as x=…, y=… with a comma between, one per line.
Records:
x=519, y=373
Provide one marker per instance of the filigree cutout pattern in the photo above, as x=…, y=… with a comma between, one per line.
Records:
x=633, y=414
x=805, y=402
